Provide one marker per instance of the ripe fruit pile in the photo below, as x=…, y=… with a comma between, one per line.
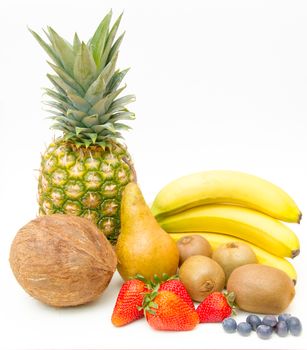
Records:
x=167, y=305
x=224, y=221
x=225, y=206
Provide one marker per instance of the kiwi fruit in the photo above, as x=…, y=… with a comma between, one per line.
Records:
x=193, y=245
x=261, y=289
x=201, y=276
x=232, y=255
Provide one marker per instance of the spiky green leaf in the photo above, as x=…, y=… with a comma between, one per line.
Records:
x=90, y=120
x=80, y=130
x=61, y=127
x=53, y=113
x=104, y=129
x=92, y=136
x=102, y=144
x=76, y=114
x=96, y=90
x=116, y=80
x=85, y=103
x=115, y=47
x=102, y=105
x=78, y=102
x=50, y=51
x=76, y=44
x=67, y=78
x=69, y=135
x=121, y=102
x=121, y=126
x=122, y=116
x=57, y=97
x=105, y=56
x=110, y=127
x=68, y=121
x=84, y=67
x=59, y=89
x=97, y=43
x=109, y=69
x=105, y=117
x=115, y=136
x=63, y=49
x=56, y=105
x=60, y=85
x=109, y=136
x=87, y=142
x=98, y=128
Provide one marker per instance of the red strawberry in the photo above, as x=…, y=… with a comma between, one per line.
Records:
x=129, y=302
x=167, y=311
x=177, y=287
x=216, y=307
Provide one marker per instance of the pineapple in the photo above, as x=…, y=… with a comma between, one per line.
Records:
x=84, y=171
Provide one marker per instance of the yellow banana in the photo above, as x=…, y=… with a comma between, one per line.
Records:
x=265, y=258
x=228, y=187
x=250, y=225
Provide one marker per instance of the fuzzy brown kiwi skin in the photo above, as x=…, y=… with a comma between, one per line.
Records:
x=193, y=245
x=261, y=289
x=201, y=276
x=232, y=255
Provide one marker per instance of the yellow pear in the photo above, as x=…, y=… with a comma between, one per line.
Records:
x=143, y=247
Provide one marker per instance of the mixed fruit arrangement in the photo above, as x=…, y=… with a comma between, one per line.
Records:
x=216, y=238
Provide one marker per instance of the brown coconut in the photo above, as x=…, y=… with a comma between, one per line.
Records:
x=62, y=260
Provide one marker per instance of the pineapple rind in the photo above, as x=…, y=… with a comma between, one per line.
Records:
x=86, y=182
x=84, y=172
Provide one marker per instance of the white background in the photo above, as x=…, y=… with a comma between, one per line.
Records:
x=219, y=85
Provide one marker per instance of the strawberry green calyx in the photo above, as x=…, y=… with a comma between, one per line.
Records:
x=161, y=284
x=230, y=297
x=149, y=306
x=156, y=280
x=153, y=287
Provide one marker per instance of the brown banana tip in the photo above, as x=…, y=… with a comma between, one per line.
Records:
x=295, y=253
x=294, y=282
x=300, y=218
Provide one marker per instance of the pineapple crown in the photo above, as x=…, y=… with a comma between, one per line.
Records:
x=85, y=104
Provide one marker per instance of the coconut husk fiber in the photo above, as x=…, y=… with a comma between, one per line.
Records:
x=62, y=260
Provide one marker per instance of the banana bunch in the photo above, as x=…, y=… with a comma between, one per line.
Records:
x=234, y=205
